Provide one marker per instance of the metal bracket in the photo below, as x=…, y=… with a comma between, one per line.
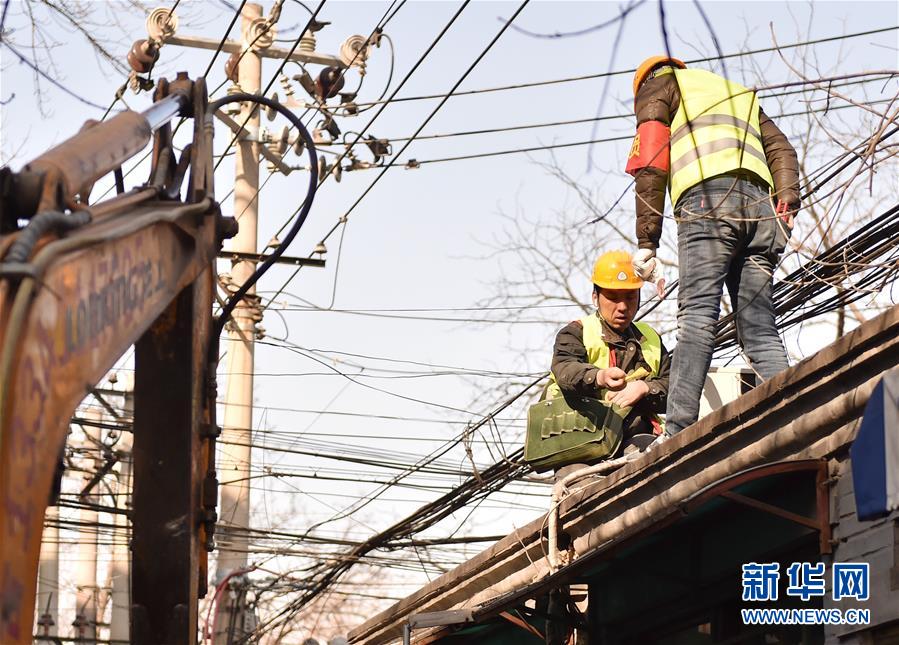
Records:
x=270, y=156
x=821, y=521
x=237, y=256
x=111, y=460
x=435, y=619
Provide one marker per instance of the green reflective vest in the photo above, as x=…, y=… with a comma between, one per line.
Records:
x=715, y=131
x=598, y=349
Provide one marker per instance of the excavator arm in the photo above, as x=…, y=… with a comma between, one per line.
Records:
x=79, y=285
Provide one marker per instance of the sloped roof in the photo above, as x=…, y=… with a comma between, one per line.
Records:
x=808, y=411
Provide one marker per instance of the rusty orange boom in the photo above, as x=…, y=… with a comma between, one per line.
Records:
x=79, y=284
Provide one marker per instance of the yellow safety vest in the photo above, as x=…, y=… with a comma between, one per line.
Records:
x=598, y=349
x=715, y=131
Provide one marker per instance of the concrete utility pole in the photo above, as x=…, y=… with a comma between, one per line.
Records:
x=120, y=569
x=47, y=602
x=234, y=463
x=257, y=40
x=85, y=624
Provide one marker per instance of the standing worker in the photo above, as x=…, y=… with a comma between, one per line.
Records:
x=725, y=164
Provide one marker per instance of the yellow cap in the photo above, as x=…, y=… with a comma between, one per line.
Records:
x=615, y=270
x=647, y=65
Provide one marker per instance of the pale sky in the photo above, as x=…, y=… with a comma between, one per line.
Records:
x=415, y=242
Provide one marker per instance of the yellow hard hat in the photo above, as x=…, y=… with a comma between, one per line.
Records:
x=647, y=65
x=615, y=270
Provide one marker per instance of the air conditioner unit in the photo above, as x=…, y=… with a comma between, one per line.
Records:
x=723, y=385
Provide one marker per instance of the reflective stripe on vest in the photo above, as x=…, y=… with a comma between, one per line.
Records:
x=715, y=131
x=598, y=349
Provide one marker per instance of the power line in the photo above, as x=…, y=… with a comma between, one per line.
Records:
x=456, y=319
x=408, y=75
x=587, y=77
x=419, y=518
x=350, y=377
x=218, y=50
x=611, y=117
x=3, y=17
x=414, y=163
x=343, y=219
x=24, y=59
x=396, y=310
x=388, y=15
x=633, y=4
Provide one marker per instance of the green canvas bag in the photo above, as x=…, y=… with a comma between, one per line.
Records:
x=573, y=429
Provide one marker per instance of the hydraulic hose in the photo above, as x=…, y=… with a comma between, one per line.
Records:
x=238, y=295
x=40, y=225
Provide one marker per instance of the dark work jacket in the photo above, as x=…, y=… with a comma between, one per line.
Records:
x=577, y=376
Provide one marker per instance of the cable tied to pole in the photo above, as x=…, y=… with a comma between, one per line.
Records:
x=242, y=291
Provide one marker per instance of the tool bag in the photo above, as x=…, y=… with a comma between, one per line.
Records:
x=573, y=429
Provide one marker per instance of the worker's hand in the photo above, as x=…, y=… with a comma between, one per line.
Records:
x=645, y=265
x=630, y=395
x=611, y=378
x=787, y=213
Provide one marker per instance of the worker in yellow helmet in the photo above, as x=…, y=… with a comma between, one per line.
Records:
x=733, y=178
x=600, y=350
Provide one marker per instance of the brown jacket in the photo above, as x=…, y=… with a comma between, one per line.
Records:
x=658, y=100
x=576, y=375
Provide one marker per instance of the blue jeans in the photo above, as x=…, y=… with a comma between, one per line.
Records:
x=727, y=233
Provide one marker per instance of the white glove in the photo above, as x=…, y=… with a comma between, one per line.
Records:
x=662, y=438
x=645, y=265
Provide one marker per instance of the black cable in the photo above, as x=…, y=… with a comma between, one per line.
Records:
x=3, y=17
x=304, y=7
x=479, y=155
x=236, y=297
x=588, y=30
x=853, y=157
x=221, y=44
x=494, y=321
x=349, y=377
x=49, y=78
x=263, y=92
x=612, y=117
x=856, y=253
x=692, y=61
